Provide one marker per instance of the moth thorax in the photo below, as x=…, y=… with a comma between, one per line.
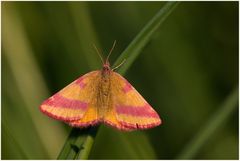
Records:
x=104, y=95
x=105, y=86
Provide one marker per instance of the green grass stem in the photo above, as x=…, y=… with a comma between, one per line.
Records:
x=78, y=144
x=218, y=119
x=143, y=37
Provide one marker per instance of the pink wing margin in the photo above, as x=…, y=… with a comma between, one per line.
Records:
x=70, y=103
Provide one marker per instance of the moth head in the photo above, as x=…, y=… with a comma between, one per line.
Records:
x=106, y=66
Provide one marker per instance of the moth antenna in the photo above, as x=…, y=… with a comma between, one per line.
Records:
x=114, y=43
x=124, y=60
x=99, y=54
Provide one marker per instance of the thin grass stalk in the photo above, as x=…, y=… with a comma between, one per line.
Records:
x=214, y=123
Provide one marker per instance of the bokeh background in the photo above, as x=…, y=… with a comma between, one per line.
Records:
x=186, y=72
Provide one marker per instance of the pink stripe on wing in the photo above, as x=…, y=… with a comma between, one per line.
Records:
x=127, y=87
x=80, y=82
x=59, y=101
x=142, y=111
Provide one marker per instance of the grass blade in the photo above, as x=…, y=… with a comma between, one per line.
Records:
x=85, y=32
x=14, y=143
x=212, y=125
x=79, y=142
x=135, y=47
x=29, y=82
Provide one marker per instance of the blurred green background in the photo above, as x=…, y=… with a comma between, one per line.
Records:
x=186, y=72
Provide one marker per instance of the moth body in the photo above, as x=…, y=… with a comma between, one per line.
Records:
x=101, y=96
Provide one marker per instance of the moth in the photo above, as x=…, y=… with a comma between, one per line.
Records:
x=101, y=96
